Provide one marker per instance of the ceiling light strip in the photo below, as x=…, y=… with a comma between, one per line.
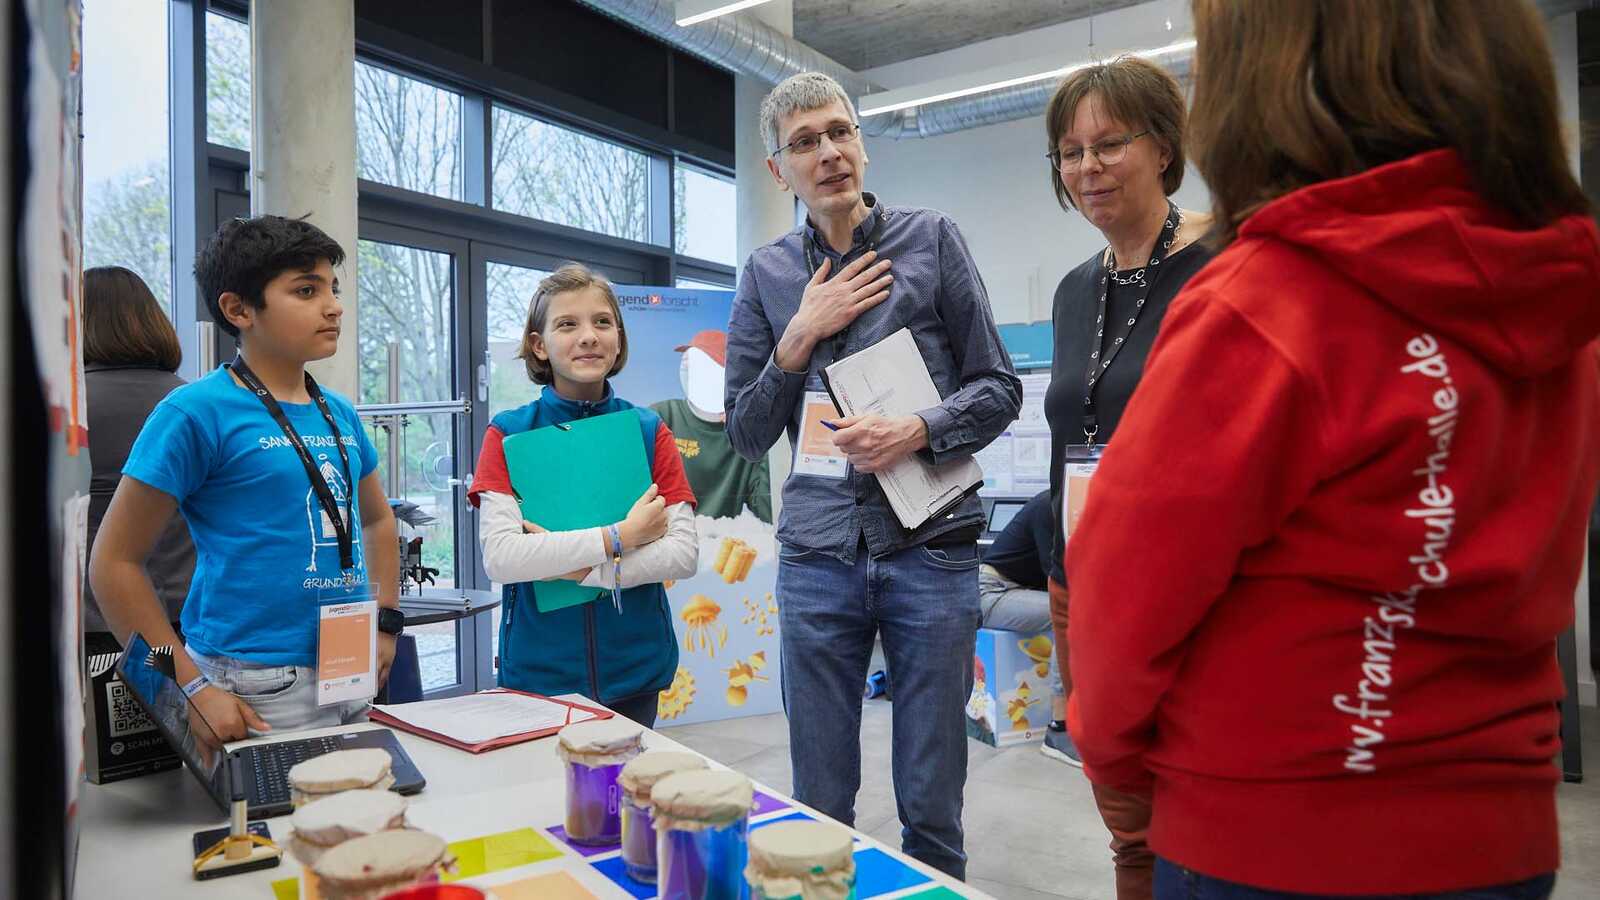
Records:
x=868, y=109
x=693, y=12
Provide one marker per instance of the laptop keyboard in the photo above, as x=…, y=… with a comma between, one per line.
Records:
x=272, y=763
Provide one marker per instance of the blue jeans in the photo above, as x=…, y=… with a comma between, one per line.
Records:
x=924, y=603
x=1174, y=882
x=285, y=697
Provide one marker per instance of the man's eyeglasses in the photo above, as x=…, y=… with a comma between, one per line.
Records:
x=1109, y=151
x=809, y=142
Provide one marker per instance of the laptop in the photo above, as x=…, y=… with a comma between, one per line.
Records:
x=999, y=512
x=265, y=766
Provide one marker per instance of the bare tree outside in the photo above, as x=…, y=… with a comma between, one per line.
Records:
x=562, y=176
x=510, y=291
x=126, y=223
x=408, y=133
x=125, y=149
x=227, y=81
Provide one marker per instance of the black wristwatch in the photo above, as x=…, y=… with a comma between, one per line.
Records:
x=391, y=621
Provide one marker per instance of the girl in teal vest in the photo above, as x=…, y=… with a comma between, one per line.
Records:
x=574, y=341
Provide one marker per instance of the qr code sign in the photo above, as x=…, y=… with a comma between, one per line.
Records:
x=127, y=717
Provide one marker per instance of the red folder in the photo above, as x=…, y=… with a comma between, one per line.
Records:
x=504, y=741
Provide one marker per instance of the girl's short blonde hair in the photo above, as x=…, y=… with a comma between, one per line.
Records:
x=570, y=277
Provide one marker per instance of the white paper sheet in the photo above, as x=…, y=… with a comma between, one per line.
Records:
x=476, y=718
x=890, y=378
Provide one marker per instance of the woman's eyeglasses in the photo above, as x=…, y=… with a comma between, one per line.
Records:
x=1109, y=151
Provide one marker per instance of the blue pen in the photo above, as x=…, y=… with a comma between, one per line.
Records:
x=828, y=425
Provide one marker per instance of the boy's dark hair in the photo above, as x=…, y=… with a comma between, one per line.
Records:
x=245, y=254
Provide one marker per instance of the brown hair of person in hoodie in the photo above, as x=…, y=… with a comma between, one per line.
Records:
x=1291, y=94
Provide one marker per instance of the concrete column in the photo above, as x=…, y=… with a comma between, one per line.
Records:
x=764, y=210
x=303, y=138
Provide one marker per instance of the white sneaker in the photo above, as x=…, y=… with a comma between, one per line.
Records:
x=1059, y=747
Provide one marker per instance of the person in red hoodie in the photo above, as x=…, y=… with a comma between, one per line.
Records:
x=1321, y=571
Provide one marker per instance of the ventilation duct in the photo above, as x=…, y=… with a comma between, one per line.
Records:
x=740, y=44
x=749, y=47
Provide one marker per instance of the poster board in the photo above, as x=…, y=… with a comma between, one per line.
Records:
x=50, y=433
x=726, y=616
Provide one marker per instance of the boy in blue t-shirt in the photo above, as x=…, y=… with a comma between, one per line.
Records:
x=265, y=545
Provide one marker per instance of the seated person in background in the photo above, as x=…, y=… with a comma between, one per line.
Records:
x=1012, y=597
x=234, y=461
x=621, y=653
x=130, y=355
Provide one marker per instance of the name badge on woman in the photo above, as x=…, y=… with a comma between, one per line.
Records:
x=1081, y=460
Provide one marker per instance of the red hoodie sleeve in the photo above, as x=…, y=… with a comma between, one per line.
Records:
x=491, y=473
x=671, y=480
x=1219, y=444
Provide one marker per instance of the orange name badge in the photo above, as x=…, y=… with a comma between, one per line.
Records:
x=817, y=454
x=347, y=652
x=1077, y=475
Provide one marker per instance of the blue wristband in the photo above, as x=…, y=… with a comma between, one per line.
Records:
x=200, y=683
x=616, y=568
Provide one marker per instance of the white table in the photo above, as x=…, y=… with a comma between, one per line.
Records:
x=136, y=836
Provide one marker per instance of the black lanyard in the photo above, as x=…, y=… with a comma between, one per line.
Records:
x=319, y=485
x=813, y=264
x=1097, y=365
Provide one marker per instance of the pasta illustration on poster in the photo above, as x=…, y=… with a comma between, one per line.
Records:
x=726, y=616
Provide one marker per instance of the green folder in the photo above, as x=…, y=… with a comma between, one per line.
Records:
x=578, y=474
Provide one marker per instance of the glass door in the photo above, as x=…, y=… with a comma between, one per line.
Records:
x=410, y=332
x=507, y=279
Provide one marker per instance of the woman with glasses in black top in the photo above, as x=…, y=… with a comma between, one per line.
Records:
x=1116, y=155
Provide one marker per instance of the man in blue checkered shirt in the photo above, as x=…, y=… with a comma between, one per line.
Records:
x=855, y=273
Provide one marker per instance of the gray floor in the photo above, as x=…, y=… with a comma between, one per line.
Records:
x=1032, y=829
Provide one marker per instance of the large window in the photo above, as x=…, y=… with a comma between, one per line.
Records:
x=568, y=178
x=126, y=212
x=227, y=81
x=510, y=290
x=408, y=133
x=703, y=212
x=407, y=298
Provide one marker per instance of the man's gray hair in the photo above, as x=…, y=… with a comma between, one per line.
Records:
x=799, y=93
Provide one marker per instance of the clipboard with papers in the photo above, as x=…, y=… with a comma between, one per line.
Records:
x=487, y=720
x=890, y=378
x=579, y=474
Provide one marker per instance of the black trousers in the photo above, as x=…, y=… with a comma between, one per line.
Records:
x=640, y=708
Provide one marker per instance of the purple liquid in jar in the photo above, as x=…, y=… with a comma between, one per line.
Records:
x=593, y=804
x=638, y=841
